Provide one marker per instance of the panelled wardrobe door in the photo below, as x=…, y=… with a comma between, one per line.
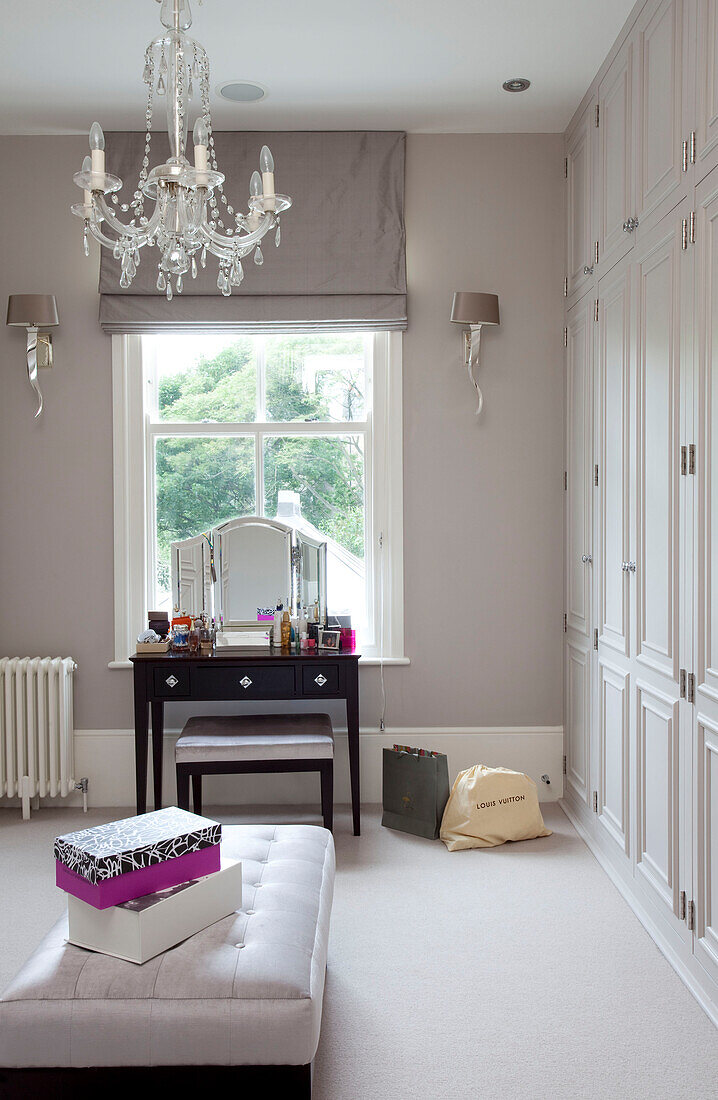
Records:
x=615, y=538
x=579, y=554
x=707, y=90
x=663, y=93
x=705, y=732
x=615, y=201
x=580, y=177
x=663, y=275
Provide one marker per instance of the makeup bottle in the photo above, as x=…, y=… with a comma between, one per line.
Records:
x=286, y=630
x=277, y=628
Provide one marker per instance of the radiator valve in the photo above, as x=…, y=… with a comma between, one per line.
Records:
x=82, y=785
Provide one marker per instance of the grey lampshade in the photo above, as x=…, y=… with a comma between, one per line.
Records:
x=475, y=309
x=32, y=310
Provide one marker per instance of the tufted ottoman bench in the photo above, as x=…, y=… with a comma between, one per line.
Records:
x=238, y=1004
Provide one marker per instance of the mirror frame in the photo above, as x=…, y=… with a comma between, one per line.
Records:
x=222, y=532
x=210, y=550
x=302, y=539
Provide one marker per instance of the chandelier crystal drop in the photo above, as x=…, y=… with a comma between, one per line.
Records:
x=187, y=219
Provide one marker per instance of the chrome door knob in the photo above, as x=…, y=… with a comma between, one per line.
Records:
x=588, y=270
x=586, y=559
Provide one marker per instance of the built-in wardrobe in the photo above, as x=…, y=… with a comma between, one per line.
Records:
x=641, y=477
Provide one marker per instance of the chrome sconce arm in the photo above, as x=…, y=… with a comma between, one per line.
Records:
x=472, y=344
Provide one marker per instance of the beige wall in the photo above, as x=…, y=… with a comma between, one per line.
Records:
x=483, y=503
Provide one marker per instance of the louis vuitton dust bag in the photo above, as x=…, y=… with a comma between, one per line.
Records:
x=488, y=806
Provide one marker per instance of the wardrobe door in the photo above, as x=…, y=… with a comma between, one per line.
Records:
x=661, y=108
x=580, y=236
x=706, y=153
x=705, y=732
x=579, y=382
x=663, y=270
x=615, y=538
x=615, y=202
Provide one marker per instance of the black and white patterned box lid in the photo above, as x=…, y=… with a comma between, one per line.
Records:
x=106, y=851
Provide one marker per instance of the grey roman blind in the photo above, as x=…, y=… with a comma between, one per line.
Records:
x=341, y=261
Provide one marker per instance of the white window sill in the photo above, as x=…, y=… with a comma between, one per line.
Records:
x=362, y=661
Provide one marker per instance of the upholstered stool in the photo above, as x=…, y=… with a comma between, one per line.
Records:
x=237, y=744
x=238, y=1007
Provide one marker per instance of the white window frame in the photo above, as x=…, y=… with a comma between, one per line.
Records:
x=133, y=443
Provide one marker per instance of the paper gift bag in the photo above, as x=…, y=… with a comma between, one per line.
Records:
x=415, y=790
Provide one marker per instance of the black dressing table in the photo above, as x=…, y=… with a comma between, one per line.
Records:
x=260, y=673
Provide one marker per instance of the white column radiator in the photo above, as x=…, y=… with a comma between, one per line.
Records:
x=36, y=728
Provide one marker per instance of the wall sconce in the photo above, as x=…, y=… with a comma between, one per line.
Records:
x=474, y=310
x=33, y=312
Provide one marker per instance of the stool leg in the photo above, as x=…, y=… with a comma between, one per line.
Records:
x=327, y=773
x=197, y=793
x=182, y=788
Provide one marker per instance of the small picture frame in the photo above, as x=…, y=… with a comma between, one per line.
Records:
x=329, y=639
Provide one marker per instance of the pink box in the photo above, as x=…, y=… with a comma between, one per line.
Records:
x=144, y=880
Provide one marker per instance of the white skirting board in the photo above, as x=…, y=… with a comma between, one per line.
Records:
x=107, y=758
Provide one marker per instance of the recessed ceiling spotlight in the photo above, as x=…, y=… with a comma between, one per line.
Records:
x=516, y=84
x=242, y=91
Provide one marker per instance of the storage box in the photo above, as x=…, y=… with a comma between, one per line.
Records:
x=121, y=848
x=152, y=647
x=136, y=884
x=140, y=929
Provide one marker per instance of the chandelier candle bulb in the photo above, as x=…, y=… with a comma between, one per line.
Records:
x=200, y=137
x=266, y=161
x=97, y=148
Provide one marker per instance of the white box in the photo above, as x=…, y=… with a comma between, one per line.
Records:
x=140, y=929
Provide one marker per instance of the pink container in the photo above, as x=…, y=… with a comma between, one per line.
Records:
x=145, y=880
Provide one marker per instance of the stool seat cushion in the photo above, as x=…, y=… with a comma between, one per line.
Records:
x=256, y=737
x=246, y=991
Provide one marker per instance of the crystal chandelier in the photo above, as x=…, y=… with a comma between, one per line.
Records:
x=186, y=221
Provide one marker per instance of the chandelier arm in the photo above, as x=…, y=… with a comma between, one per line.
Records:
x=99, y=236
x=228, y=245
x=138, y=234
x=124, y=230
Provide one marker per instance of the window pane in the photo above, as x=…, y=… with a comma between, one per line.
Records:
x=202, y=378
x=316, y=377
x=200, y=482
x=321, y=481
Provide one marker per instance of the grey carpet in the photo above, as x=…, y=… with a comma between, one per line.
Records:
x=514, y=971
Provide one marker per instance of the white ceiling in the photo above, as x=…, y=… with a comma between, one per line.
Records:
x=327, y=64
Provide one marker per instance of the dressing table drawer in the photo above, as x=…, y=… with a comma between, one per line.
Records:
x=238, y=682
x=171, y=682
x=320, y=679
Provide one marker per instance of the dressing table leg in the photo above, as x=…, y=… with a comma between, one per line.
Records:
x=140, y=741
x=352, y=674
x=158, y=729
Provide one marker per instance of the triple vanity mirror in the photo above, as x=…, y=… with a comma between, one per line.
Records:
x=239, y=571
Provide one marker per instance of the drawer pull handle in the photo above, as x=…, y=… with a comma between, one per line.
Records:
x=321, y=680
x=245, y=682
x=172, y=681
